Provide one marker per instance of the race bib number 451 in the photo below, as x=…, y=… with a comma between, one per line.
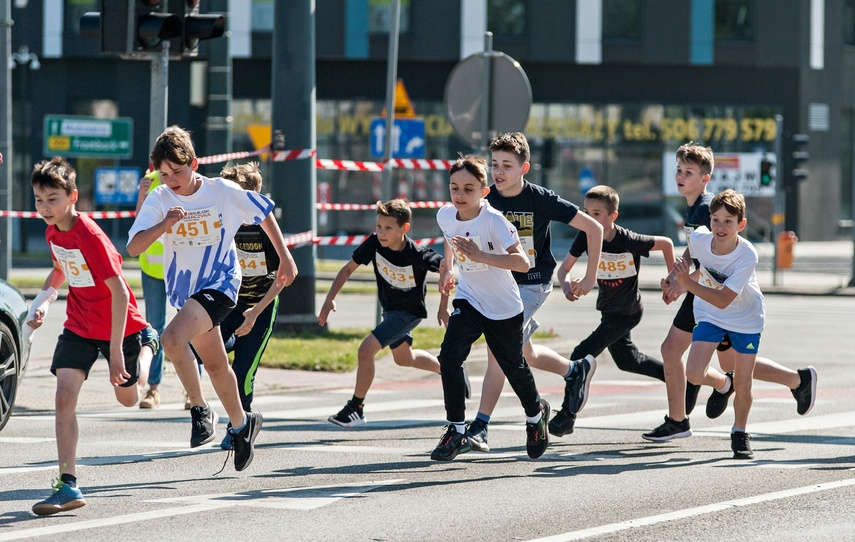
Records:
x=200, y=228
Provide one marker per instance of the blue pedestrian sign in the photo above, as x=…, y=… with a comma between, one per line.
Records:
x=116, y=185
x=408, y=138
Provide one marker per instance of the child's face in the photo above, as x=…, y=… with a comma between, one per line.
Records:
x=596, y=209
x=54, y=204
x=389, y=233
x=690, y=180
x=466, y=192
x=507, y=172
x=725, y=226
x=180, y=178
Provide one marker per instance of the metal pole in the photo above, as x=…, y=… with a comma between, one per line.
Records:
x=391, y=83
x=159, y=93
x=219, y=123
x=485, y=92
x=5, y=139
x=780, y=195
x=293, y=182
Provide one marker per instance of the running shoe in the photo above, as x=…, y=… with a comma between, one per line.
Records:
x=204, y=425
x=805, y=394
x=477, y=432
x=562, y=423
x=349, y=416
x=537, y=437
x=62, y=499
x=740, y=443
x=576, y=388
x=451, y=444
x=244, y=440
x=717, y=403
x=669, y=430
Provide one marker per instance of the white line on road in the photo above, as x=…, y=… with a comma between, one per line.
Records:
x=693, y=512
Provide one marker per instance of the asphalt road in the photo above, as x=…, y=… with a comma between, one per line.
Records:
x=313, y=481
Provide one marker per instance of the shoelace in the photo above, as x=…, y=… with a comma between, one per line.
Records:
x=228, y=454
x=57, y=482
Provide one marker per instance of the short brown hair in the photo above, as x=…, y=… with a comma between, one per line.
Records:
x=514, y=142
x=605, y=194
x=474, y=164
x=699, y=155
x=246, y=175
x=54, y=173
x=732, y=201
x=174, y=145
x=398, y=209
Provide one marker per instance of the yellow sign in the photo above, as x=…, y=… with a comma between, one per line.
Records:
x=261, y=135
x=403, y=106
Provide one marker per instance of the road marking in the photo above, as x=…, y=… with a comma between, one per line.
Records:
x=112, y=459
x=305, y=498
x=693, y=512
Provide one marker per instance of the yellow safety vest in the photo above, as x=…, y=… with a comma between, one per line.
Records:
x=151, y=261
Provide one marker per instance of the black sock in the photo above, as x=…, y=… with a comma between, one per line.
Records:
x=69, y=479
x=357, y=402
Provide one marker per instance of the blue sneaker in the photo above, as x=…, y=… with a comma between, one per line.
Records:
x=226, y=444
x=62, y=499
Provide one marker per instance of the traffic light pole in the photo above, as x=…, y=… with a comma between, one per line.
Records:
x=5, y=139
x=780, y=195
x=159, y=93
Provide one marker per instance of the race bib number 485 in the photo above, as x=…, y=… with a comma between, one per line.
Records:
x=616, y=266
x=200, y=228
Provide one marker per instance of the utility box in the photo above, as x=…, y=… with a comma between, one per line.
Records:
x=786, y=249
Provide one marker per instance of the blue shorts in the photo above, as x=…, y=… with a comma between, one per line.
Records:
x=744, y=343
x=395, y=329
x=150, y=338
x=533, y=297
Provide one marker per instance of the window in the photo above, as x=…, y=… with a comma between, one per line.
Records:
x=848, y=22
x=621, y=19
x=380, y=16
x=733, y=20
x=506, y=17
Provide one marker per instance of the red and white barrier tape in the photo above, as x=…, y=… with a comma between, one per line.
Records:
x=91, y=214
x=348, y=165
x=293, y=154
x=407, y=163
x=217, y=158
x=367, y=206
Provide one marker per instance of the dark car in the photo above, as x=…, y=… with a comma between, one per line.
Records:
x=14, y=350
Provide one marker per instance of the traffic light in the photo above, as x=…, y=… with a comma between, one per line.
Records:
x=766, y=176
x=196, y=26
x=799, y=156
x=128, y=26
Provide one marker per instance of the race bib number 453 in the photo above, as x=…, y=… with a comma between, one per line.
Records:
x=200, y=228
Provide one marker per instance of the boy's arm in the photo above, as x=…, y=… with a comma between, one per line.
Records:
x=667, y=247
x=287, y=271
x=514, y=260
x=594, y=232
x=446, y=270
x=40, y=305
x=718, y=298
x=563, y=269
x=144, y=238
x=340, y=279
x=145, y=184
x=119, y=300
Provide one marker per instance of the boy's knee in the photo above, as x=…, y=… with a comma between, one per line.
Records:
x=695, y=376
x=65, y=399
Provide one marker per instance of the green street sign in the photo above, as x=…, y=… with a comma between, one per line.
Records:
x=77, y=136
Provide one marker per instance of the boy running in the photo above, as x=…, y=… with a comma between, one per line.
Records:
x=486, y=248
x=531, y=209
x=101, y=317
x=619, y=300
x=198, y=218
x=400, y=269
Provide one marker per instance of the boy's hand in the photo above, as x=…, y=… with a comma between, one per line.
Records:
x=249, y=318
x=446, y=281
x=468, y=248
x=118, y=374
x=442, y=316
x=145, y=184
x=671, y=290
x=681, y=272
x=567, y=288
x=286, y=273
x=174, y=215
x=581, y=287
x=328, y=306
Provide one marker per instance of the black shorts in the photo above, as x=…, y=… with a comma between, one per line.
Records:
x=685, y=320
x=217, y=304
x=76, y=352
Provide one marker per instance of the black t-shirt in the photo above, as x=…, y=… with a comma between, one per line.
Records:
x=530, y=212
x=258, y=261
x=400, y=274
x=697, y=215
x=618, y=294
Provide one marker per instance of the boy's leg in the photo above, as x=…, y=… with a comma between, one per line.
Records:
x=407, y=356
x=128, y=393
x=248, y=349
x=365, y=365
x=192, y=320
x=676, y=343
x=211, y=350
x=68, y=384
x=765, y=369
x=464, y=328
x=743, y=374
x=504, y=337
x=492, y=386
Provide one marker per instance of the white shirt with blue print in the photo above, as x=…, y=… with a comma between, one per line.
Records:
x=199, y=250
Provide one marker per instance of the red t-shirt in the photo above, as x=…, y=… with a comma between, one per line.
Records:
x=88, y=258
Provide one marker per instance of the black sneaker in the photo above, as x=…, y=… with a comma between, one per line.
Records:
x=349, y=416
x=805, y=394
x=578, y=383
x=204, y=425
x=691, y=396
x=244, y=440
x=669, y=430
x=477, y=432
x=562, y=423
x=740, y=443
x=537, y=436
x=450, y=445
x=717, y=403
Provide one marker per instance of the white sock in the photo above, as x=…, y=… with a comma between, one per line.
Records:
x=726, y=387
x=534, y=419
x=459, y=426
x=735, y=429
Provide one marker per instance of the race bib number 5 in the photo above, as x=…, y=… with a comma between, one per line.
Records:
x=200, y=228
x=74, y=266
x=399, y=277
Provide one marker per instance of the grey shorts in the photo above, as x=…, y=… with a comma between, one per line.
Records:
x=533, y=297
x=395, y=329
